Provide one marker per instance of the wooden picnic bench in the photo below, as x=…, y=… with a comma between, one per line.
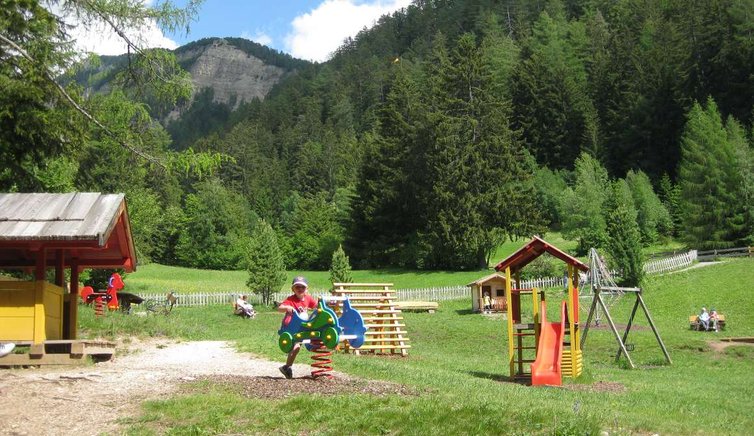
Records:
x=694, y=323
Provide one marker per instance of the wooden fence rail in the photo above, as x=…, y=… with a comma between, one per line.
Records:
x=670, y=263
x=726, y=252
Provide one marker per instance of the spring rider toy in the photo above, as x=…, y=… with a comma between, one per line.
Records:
x=322, y=331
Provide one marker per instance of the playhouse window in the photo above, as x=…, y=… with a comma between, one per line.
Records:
x=500, y=292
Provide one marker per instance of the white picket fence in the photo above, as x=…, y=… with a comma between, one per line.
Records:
x=441, y=293
x=670, y=263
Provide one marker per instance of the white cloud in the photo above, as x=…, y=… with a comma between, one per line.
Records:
x=259, y=37
x=101, y=39
x=320, y=32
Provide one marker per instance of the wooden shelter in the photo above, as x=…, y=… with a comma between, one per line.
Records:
x=518, y=331
x=494, y=285
x=56, y=231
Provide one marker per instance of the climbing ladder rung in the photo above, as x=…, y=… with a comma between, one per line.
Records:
x=523, y=334
x=385, y=332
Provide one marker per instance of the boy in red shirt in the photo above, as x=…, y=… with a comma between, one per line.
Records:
x=299, y=302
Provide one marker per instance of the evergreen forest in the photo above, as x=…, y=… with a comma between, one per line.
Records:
x=423, y=142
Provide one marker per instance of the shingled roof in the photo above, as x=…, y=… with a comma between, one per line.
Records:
x=91, y=229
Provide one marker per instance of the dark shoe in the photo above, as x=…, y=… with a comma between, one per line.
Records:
x=287, y=371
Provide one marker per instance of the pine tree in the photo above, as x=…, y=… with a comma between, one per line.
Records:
x=623, y=235
x=582, y=206
x=653, y=218
x=340, y=268
x=670, y=195
x=264, y=262
x=712, y=212
x=744, y=157
x=482, y=177
x=551, y=100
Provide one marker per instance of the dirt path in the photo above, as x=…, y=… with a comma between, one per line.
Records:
x=87, y=400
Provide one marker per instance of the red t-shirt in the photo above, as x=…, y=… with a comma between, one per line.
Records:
x=302, y=305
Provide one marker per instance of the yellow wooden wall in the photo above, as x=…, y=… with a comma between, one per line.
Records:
x=30, y=311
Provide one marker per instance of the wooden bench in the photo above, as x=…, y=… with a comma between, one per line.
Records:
x=694, y=323
x=419, y=306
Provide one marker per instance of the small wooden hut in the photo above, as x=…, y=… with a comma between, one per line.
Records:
x=56, y=231
x=494, y=285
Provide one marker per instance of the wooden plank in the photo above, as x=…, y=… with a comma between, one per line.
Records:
x=384, y=332
x=349, y=285
x=387, y=347
x=384, y=339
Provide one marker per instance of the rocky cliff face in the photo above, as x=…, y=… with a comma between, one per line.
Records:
x=231, y=73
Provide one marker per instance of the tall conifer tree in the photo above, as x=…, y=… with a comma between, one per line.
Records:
x=712, y=212
x=482, y=176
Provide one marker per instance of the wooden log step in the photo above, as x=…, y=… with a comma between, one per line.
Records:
x=385, y=332
x=375, y=326
x=368, y=298
x=382, y=318
x=60, y=352
x=379, y=311
x=378, y=340
x=386, y=347
x=348, y=285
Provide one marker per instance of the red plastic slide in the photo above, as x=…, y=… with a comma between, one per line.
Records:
x=546, y=369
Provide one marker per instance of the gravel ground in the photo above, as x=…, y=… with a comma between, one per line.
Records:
x=87, y=400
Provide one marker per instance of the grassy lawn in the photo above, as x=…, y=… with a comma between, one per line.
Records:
x=154, y=278
x=459, y=365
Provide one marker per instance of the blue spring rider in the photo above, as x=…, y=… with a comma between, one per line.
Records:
x=324, y=326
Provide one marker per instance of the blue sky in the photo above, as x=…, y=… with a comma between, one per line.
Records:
x=306, y=29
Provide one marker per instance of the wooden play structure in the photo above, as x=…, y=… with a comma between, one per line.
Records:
x=494, y=285
x=383, y=318
x=552, y=348
x=604, y=294
x=56, y=231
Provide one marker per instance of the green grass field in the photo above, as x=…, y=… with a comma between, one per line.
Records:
x=459, y=364
x=158, y=279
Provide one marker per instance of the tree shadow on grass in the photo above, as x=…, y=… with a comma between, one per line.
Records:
x=499, y=378
x=466, y=312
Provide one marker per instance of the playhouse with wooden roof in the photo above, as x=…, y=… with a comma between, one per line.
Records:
x=41, y=232
x=492, y=285
x=552, y=348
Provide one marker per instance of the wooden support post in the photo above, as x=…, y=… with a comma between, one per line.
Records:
x=615, y=332
x=592, y=309
x=628, y=327
x=40, y=272
x=59, y=268
x=509, y=321
x=654, y=329
x=73, y=308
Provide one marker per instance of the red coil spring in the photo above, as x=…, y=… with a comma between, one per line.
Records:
x=99, y=309
x=322, y=363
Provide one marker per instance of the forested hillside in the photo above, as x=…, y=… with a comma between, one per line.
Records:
x=451, y=125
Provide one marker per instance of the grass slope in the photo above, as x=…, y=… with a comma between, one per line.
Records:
x=459, y=363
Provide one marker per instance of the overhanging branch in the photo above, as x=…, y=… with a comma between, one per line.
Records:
x=45, y=71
